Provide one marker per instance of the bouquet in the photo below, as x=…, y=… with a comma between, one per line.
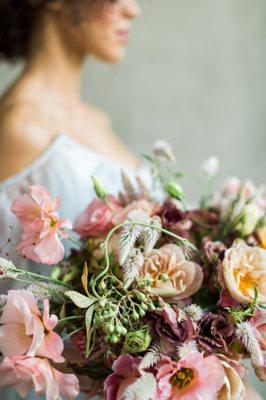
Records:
x=154, y=300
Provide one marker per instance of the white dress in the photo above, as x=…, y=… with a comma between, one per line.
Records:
x=65, y=168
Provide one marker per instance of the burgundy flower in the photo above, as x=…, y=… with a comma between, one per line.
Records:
x=175, y=219
x=215, y=332
x=171, y=326
x=203, y=220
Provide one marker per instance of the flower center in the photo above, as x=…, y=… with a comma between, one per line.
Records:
x=182, y=378
x=53, y=223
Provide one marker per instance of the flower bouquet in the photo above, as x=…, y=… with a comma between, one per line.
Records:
x=155, y=300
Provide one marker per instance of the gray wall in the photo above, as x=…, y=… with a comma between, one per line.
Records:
x=194, y=75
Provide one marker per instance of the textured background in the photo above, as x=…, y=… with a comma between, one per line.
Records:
x=194, y=75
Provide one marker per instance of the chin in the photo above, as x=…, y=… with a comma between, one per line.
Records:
x=111, y=55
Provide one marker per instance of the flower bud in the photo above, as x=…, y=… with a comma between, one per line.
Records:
x=99, y=188
x=111, y=327
x=135, y=316
x=174, y=190
x=114, y=338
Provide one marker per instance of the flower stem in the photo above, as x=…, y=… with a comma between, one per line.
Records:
x=72, y=333
x=70, y=318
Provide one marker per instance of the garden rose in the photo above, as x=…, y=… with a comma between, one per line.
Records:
x=233, y=388
x=24, y=331
x=192, y=377
x=96, y=219
x=173, y=276
x=25, y=373
x=243, y=268
x=41, y=225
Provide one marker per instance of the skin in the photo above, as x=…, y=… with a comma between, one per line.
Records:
x=42, y=103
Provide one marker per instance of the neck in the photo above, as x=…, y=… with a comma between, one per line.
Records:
x=54, y=65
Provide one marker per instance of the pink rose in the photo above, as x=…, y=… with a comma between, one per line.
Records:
x=25, y=373
x=193, y=377
x=259, y=322
x=96, y=220
x=24, y=331
x=41, y=225
x=142, y=205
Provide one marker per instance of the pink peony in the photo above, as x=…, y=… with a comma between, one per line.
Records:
x=24, y=331
x=41, y=225
x=96, y=220
x=259, y=322
x=25, y=373
x=193, y=377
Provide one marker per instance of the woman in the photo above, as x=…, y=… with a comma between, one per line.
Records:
x=53, y=38
x=47, y=133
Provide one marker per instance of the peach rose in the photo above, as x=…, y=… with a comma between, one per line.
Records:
x=243, y=268
x=24, y=331
x=233, y=387
x=173, y=276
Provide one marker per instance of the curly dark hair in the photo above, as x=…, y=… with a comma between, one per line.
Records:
x=17, y=22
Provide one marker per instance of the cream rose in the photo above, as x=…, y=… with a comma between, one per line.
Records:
x=243, y=268
x=233, y=388
x=173, y=276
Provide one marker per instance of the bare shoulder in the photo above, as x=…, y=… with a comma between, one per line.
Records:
x=23, y=136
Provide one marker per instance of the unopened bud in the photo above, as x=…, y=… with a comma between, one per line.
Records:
x=175, y=190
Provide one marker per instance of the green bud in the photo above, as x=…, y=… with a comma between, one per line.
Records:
x=135, y=316
x=138, y=341
x=141, y=296
x=164, y=277
x=142, y=312
x=174, y=190
x=123, y=331
x=111, y=327
x=144, y=306
x=114, y=338
x=99, y=188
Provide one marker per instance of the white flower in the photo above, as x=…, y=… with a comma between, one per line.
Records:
x=187, y=348
x=251, y=214
x=143, y=388
x=194, y=311
x=210, y=166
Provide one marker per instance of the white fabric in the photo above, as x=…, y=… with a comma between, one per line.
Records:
x=65, y=168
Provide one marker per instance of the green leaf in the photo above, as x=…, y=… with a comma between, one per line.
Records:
x=80, y=300
x=88, y=321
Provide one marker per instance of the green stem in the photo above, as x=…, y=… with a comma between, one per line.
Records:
x=72, y=333
x=48, y=278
